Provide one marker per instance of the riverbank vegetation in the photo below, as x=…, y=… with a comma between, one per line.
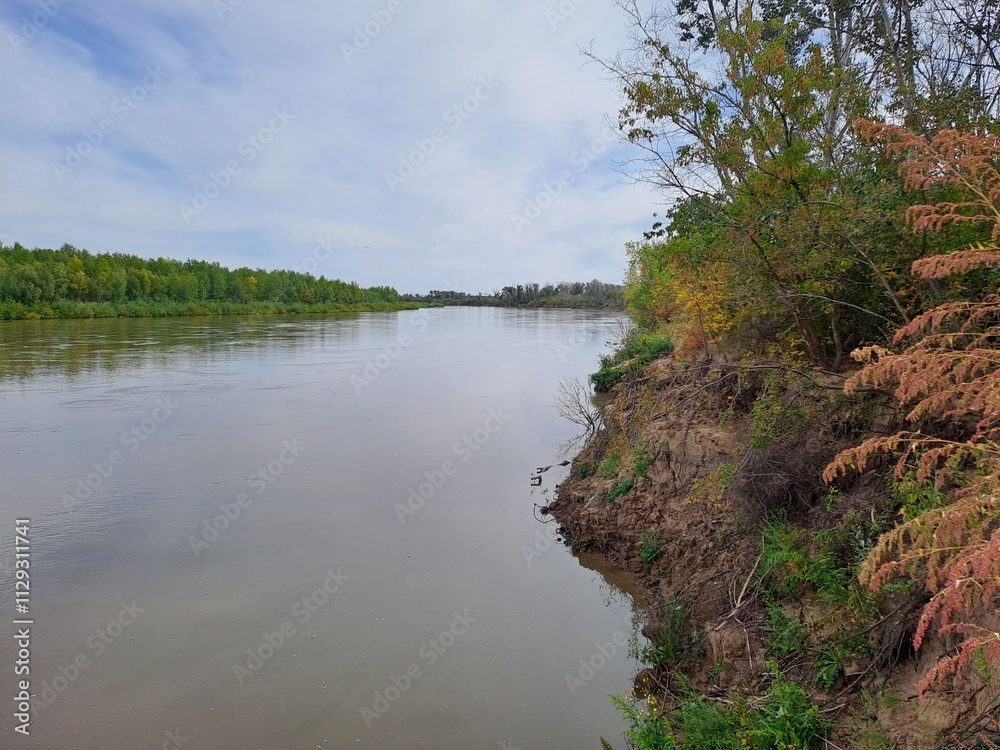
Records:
x=821, y=435
x=73, y=283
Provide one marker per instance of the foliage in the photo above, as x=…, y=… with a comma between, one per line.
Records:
x=787, y=719
x=783, y=634
x=785, y=227
x=638, y=350
x=674, y=638
x=791, y=569
x=73, y=283
x=947, y=376
x=784, y=719
x=648, y=729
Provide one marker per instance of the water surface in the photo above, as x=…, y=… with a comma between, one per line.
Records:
x=304, y=532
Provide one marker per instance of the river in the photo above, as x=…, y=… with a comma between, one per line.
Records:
x=302, y=532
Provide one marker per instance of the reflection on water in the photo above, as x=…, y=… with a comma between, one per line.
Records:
x=303, y=532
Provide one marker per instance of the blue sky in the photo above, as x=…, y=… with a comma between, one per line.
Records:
x=454, y=145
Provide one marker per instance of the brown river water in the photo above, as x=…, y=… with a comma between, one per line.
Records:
x=302, y=532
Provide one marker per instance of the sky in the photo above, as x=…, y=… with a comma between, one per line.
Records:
x=452, y=145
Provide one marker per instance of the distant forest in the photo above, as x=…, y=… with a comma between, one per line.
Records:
x=575, y=294
x=74, y=283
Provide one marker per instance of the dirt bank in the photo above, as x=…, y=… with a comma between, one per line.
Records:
x=705, y=481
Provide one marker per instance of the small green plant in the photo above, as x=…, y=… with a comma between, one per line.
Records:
x=622, y=488
x=642, y=464
x=829, y=666
x=782, y=634
x=583, y=469
x=983, y=666
x=716, y=671
x=914, y=498
x=786, y=719
x=610, y=465
x=832, y=497
x=791, y=568
x=651, y=550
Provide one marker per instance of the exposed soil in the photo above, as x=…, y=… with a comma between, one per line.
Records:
x=707, y=470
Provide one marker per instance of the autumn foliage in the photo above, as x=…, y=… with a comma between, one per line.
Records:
x=946, y=373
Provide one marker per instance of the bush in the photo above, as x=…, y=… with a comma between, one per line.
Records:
x=638, y=350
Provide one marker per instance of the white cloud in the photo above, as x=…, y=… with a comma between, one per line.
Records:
x=323, y=175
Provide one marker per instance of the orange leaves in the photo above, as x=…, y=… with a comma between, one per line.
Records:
x=964, y=160
x=949, y=374
x=943, y=266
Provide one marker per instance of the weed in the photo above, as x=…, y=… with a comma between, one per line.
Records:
x=648, y=728
x=829, y=666
x=651, y=551
x=782, y=634
x=622, y=488
x=706, y=726
x=914, y=498
x=785, y=719
x=716, y=671
x=641, y=465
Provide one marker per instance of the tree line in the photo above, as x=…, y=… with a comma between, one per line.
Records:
x=575, y=294
x=70, y=282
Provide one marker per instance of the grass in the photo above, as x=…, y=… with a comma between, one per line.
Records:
x=651, y=550
x=622, y=488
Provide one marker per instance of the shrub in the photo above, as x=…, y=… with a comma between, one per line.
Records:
x=638, y=350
